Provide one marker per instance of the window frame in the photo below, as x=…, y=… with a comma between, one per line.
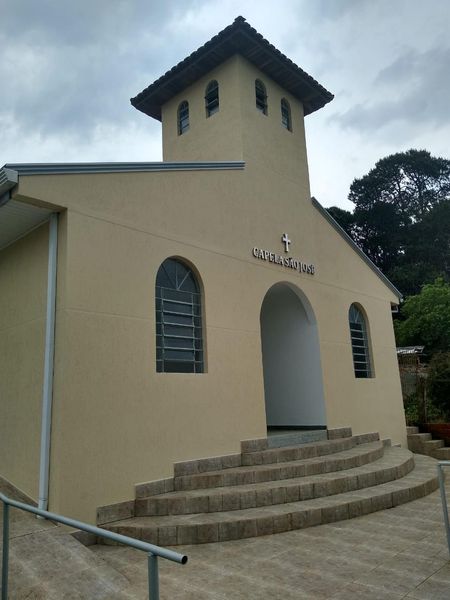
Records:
x=360, y=342
x=212, y=102
x=261, y=97
x=178, y=319
x=286, y=115
x=183, y=120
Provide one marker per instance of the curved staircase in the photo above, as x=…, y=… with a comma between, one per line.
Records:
x=267, y=490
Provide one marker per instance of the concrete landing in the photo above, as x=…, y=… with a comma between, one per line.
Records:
x=278, y=438
x=47, y=563
x=394, y=554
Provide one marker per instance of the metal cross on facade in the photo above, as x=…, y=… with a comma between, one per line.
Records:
x=286, y=241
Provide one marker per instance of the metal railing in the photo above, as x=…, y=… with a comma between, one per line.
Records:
x=441, y=477
x=152, y=551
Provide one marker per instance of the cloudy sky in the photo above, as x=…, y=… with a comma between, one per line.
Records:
x=68, y=69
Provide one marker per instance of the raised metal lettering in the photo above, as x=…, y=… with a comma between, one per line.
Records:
x=290, y=263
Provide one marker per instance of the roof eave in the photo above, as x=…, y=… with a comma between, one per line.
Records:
x=17, y=219
x=9, y=178
x=237, y=38
x=120, y=167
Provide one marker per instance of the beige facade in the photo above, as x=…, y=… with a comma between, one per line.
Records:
x=116, y=421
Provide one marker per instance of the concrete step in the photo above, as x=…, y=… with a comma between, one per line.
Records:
x=421, y=437
x=442, y=453
x=411, y=430
x=430, y=446
x=257, y=452
x=294, y=462
x=279, y=438
x=237, y=524
x=393, y=465
x=338, y=439
x=301, y=452
x=226, y=470
x=416, y=442
x=339, y=432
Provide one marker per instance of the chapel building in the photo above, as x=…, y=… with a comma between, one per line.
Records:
x=153, y=313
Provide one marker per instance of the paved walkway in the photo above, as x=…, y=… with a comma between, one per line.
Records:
x=394, y=554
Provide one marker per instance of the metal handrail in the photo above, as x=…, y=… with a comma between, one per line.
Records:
x=441, y=477
x=152, y=551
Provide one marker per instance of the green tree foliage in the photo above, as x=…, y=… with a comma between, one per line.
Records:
x=413, y=182
x=426, y=251
x=344, y=217
x=439, y=381
x=402, y=217
x=426, y=318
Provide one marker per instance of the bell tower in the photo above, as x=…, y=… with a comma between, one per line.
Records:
x=236, y=98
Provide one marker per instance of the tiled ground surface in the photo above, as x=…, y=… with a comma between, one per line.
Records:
x=398, y=553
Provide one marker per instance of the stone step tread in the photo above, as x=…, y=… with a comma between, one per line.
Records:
x=391, y=457
x=436, y=444
x=442, y=453
x=419, y=436
x=354, y=450
x=355, y=456
x=267, y=455
x=308, y=450
x=210, y=527
x=279, y=439
x=412, y=429
x=395, y=463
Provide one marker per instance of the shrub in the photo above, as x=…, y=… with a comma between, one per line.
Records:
x=439, y=381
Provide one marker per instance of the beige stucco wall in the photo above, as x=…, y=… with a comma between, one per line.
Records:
x=116, y=422
x=200, y=141
x=23, y=286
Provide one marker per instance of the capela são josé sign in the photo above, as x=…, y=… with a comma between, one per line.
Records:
x=284, y=261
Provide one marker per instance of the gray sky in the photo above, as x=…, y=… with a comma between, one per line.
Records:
x=68, y=70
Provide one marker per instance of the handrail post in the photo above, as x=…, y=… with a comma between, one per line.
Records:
x=153, y=577
x=444, y=502
x=152, y=551
x=5, y=552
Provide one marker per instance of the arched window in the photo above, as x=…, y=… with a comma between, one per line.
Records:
x=179, y=347
x=360, y=342
x=183, y=117
x=212, y=98
x=261, y=96
x=286, y=114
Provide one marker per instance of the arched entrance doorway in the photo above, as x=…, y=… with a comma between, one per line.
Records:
x=293, y=384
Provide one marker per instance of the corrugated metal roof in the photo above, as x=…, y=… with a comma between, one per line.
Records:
x=17, y=219
x=237, y=38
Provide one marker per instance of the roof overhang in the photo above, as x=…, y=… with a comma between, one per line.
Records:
x=8, y=179
x=237, y=38
x=16, y=218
